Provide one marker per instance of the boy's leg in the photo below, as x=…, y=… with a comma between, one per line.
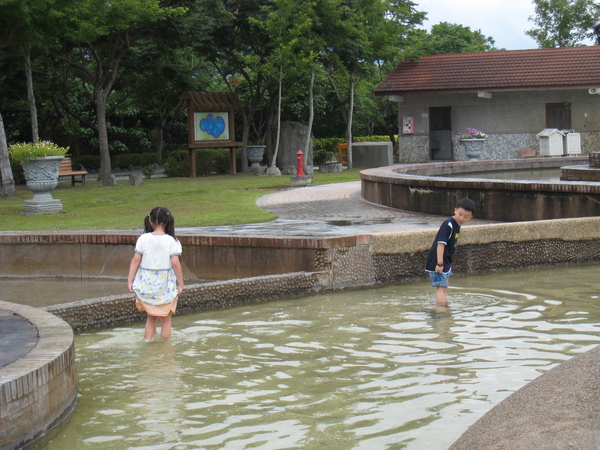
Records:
x=440, y=296
x=165, y=327
x=151, y=327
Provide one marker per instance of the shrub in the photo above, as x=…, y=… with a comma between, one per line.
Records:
x=148, y=171
x=177, y=164
x=126, y=160
x=17, y=171
x=328, y=144
x=321, y=156
x=372, y=139
x=205, y=161
x=89, y=162
x=208, y=161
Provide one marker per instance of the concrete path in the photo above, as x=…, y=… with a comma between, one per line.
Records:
x=341, y=204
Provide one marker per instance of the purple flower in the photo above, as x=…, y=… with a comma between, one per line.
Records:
x=471, y=133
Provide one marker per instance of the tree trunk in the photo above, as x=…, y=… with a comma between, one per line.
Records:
x=105, y=169
x=392, y=126
x=160, y=140
x=160, y=132
x=8, y=182
x=274, y=160
x=30, y=94
x=311, y=115
x=350, y=111
x=245, y=137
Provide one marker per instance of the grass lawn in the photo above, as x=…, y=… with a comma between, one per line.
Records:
x=214, y=200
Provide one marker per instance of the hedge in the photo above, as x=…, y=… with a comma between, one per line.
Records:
x=331, y=144
x=208, y=161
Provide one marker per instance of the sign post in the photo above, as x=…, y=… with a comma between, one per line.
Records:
x=211, y=123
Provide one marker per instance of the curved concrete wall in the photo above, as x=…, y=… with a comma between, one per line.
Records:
x=38, y=390
x=427, y=188
x=558, y=410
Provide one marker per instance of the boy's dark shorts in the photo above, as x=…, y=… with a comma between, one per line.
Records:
x=440, y=279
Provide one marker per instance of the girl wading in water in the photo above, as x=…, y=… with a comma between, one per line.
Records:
x=155, y=274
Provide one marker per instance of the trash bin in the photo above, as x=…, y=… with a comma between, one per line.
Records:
x=551, y=142
x=572, y=142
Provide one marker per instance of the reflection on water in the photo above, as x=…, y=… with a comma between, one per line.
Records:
x=352, y=370
x=40, y=292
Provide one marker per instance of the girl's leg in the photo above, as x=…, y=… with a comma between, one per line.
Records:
x=165, y=326
x=440, y=296
x=151, y=327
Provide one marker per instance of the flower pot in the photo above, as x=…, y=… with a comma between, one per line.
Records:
x=473, y=148
x=41, y=175
x=255, y=155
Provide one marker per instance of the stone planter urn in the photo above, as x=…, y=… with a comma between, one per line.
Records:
x=255, y=155
x=41, y=175
x=473, y=148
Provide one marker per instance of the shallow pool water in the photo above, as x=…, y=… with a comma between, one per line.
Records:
x=369, y=369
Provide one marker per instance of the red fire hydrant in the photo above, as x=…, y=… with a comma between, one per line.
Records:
x=300, y=155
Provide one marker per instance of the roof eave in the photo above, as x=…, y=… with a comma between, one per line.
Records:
x=474, y=90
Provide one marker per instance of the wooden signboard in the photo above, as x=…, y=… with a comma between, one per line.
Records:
x=211, y=123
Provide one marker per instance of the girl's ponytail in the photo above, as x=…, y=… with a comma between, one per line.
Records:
x=163, y=216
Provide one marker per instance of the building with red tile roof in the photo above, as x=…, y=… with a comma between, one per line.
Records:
x=511, y=96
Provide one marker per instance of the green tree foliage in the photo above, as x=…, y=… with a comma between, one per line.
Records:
x=230, y=35
x=109, y=74
x=96, y=37
x=564, y=23
x=447, y=37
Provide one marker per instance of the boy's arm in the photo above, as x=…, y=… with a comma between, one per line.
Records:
x=440, y=257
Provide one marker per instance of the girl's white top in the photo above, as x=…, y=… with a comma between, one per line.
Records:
x=157, y=250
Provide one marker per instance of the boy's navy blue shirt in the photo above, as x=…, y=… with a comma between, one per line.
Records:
x=447, y=234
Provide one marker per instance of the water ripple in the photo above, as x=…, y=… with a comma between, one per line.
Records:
x=352, y=370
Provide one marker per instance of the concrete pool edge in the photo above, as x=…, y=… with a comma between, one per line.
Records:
x=427, y=188
x=37, y=391
x=559, y=409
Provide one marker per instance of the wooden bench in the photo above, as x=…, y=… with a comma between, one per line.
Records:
x=65, y=169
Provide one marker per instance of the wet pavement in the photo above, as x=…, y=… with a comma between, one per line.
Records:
x=18, y=336
x=326, y=210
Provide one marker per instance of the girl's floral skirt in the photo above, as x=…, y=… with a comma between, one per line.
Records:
x=156, y=291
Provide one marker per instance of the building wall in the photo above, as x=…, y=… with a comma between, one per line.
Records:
x=510, y=119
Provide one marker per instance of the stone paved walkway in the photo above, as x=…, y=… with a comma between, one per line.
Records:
x=341, y=204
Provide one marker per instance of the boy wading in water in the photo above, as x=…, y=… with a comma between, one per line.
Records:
x=439, y=258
